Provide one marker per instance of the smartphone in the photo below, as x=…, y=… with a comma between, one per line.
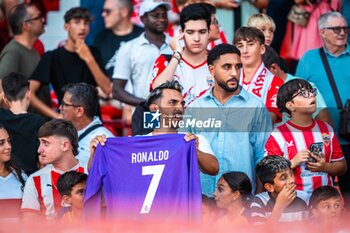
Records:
x=317, y=150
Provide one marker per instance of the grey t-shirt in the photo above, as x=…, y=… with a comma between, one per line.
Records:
x=18, y=58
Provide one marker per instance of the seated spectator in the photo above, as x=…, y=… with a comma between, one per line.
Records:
x=58, y=148
x=22, y=126
x=282, y=202
x=300, y=138
x=326, y=206
x=71, y=186
x=12, y=180
x=274, y=63
x=232, y=193
x=264, y=23
x=79, y=106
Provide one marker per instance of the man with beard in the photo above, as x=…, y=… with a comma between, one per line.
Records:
x=168, y=103
x=245, y=123
x=74, y=62
x=134, y=61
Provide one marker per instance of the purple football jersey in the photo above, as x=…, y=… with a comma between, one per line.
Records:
x=150, y=177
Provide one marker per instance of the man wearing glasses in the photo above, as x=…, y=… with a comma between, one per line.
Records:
x=334, y=31
x=27, y=24
x=79, y=106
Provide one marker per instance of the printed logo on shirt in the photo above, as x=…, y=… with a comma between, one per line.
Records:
x=290, y=144
x=326, y=139
x=151, y=120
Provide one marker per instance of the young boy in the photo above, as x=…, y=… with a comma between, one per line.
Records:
x=300, y=138
x=274, y=63
x=281, y=202
x=71, y=186
x=264, y=23
x=256, y=78
x=325, y=205
x=187, y=65
x=72, y=63
x=22, y=126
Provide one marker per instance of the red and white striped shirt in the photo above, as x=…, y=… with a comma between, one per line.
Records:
x=40, y=192
x=286, y=140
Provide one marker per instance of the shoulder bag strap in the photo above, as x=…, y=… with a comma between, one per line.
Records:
x=88, y=131
x=331, y=78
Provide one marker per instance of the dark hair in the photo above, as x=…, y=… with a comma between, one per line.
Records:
x=287, y=90
x=270, y=56
x=269, y=166
x=157, y=93
x=321, y=194
x=62, y=128
x=68, y=180
x=248, y=34
x=17, y=16
x=84, y=95
x=9, y=166
x=195, y=11
x=209, y=7
x=78, y=13
x=15, y=86
x=127, y=4
x=221, y=49
x=239, y=181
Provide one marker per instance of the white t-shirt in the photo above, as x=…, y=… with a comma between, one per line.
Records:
x=10, y=187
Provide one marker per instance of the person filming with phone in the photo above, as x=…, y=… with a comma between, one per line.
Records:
x=310, y=145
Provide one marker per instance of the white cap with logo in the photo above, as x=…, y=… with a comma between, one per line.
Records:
x=150, y=5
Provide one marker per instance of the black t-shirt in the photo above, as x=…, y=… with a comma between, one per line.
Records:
x=23, y=130
x=60, y=67
x=108, y=44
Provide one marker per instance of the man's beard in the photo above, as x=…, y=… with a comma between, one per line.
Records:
x=224, y=85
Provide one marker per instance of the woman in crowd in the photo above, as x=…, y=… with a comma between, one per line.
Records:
x=12, y=180
x=231, y=195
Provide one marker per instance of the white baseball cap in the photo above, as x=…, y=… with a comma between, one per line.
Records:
x=150, y=5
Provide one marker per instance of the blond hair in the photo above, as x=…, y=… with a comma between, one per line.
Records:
x=260, y=18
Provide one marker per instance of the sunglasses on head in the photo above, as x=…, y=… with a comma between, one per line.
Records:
x=337, y=30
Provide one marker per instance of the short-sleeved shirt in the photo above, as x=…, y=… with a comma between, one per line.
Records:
x=60, y=67
x=310, y=67
x=262, y=205
x=195, y=80
x=17, y=58
x=135, y=61
x=288, y=139
x=40, y=192
x=264, y=85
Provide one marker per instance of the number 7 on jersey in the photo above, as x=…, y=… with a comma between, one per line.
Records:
x=156, y=171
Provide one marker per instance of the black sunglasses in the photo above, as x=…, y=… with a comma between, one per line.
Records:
x=337, y=30
x=40, y=16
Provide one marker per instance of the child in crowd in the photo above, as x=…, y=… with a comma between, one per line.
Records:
x=231, y=195
x=71, y=186
x=282, y=202
x=326, y=205
x=311, y=145
x=264, y=23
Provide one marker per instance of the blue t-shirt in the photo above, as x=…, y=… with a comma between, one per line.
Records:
x=145, y=178
x=310, y=67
